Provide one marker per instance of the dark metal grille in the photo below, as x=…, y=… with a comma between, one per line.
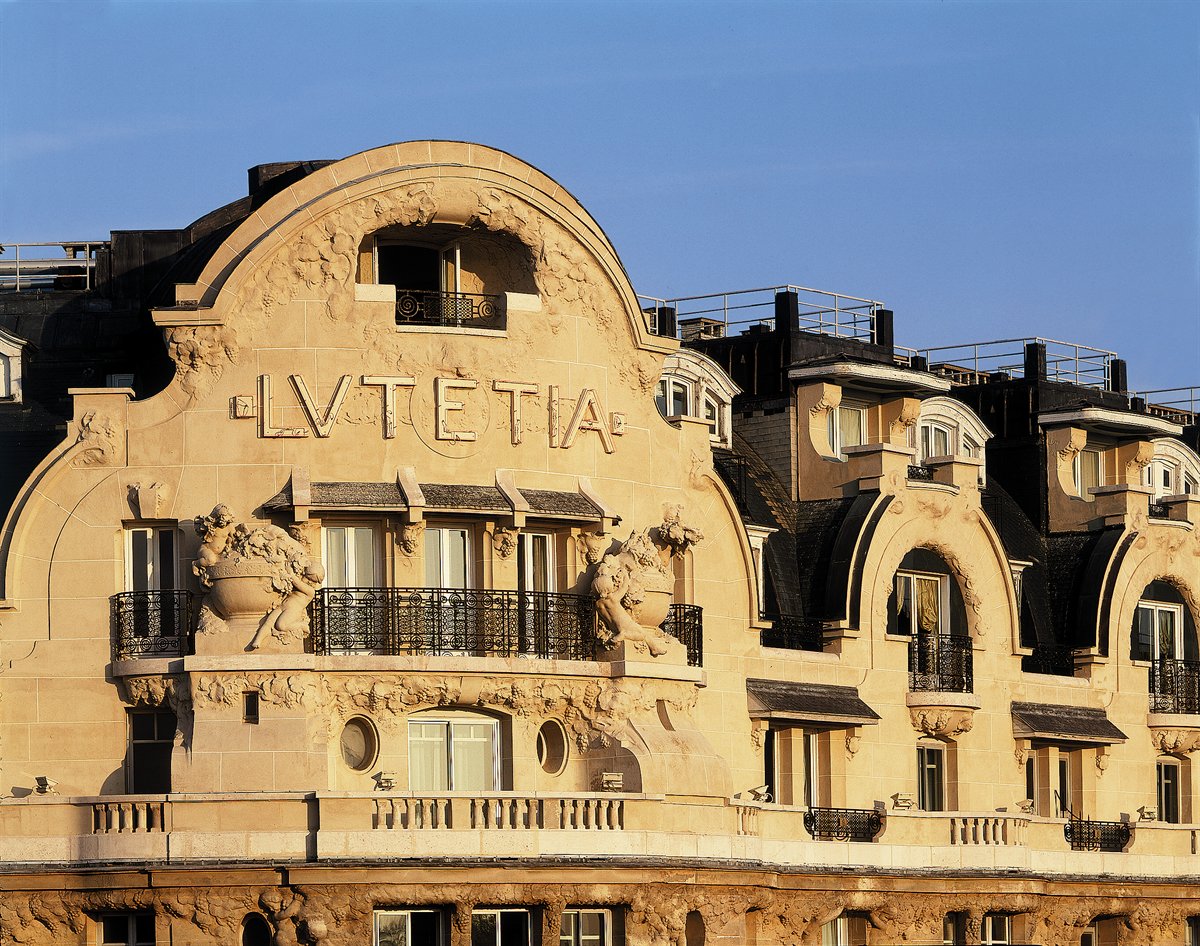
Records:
x=417, y=307
x=151, y=624
x=920, y=473
x=942, y=663
x=1085, y=835
x=438, y=621
x=685, y=623
x=1175, y=686
x=792, y=632
x=1159, y=511
x=842, y=824
x=1050, y=659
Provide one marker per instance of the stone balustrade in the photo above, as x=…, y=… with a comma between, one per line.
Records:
x=331, y=827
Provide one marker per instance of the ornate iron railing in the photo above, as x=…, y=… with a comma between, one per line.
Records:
x=1085, y=835
x=843, y=824
x=440, y=621
x=941, y=663
x=792, y=632
x=685, y=622
x=151, y=624
x=458, y=309
x=920, y=473
x=1175, y=686
x=1159, y=511
x=1050, y=659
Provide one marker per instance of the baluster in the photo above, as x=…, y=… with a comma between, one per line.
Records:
x=594, y=813
x=126, y=817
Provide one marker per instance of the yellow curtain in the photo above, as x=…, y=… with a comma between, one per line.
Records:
x=928, y=606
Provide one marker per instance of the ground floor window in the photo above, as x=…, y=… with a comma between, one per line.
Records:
x=1193, y=931
x=954, y=929
x=151, y=742
x=585, y=928
x=410, y=928
x=127, y=929
x=500, y=927
x=1168, y=790
x=849, y=929
x=996, y=929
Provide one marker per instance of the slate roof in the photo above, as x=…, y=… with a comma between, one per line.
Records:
x=816, y=702
x=1067, y=723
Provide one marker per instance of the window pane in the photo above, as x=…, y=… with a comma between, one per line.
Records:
x=365, y=573
x=514, y=928
x=139, y=560
x=660, y=397
x=428, y=755
x=1168, y=792
x=143, y=926
x=679, y=399
x=1143, y=633
x=433, y=558
x=391, y=929
x=904, y=604
x=115, y=930
x=1166, y=634
x=164, y=566
x=335, y=558
x=485, y=929
x=568, y=930
x=474, y=757
x=929, y=605
x=851, y=421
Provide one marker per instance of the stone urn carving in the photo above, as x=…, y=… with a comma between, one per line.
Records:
x=259, y=581
x=634, y=587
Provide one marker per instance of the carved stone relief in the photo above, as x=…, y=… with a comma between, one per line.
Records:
x=941, y=722
x=504, y=541
x=97, y=436
x=200, y=354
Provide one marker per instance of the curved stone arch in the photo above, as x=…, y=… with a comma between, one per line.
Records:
x=475, y=168
x=1152, y=557
x=976, y=566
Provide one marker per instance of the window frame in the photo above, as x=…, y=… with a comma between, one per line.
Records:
x=444, y=560
x=131, y=936
x=1091, y=449
x=156, y=568
x=575, y=937
x=914, y=630
x=439, y=912
x=160, y=717
x=448, y=719
x=1178, y=629
x=454, y=264
x=931, y=777
x=350, y=551
x=996, y=929
x=835, y=431
x=498, y=912
x=1169, y=798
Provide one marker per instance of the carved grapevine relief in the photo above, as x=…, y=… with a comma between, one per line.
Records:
x=97, y=437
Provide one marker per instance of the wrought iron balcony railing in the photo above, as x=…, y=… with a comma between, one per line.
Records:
x=1175, y=686
x=685, y=622
x=792, y=632
x=843, y=824
x=920, y=473
x=151, y=624
x=448, y=309
x=1084, y=835
x=941, y=663
x=1050, y=659
x=444, y=621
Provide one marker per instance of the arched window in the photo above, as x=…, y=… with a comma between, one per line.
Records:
x=693, y=385
x=10, y=366
x=948, y=428
x=1174, y=469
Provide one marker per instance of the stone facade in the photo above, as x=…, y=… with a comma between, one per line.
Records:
x=407, y=601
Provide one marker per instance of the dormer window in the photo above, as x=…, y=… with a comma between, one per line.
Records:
x=934, y=440
x=948, y=428
x=693, y=385
x=5, y=377
x=1175, y=469
x=10, y=366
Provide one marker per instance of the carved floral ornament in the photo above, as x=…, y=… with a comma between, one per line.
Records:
x=941, y=721
x=1175, y=741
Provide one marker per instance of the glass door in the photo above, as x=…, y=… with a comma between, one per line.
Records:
x=150, y=572
x=449, y=622
x=356, y=605
x=535, y=585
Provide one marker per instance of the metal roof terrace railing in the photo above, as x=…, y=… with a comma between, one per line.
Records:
x=1179, y=405
x=725, y=313
x=976, y=362
x=34, y=266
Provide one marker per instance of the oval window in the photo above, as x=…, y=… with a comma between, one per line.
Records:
x=552, y=747
x=359, y=743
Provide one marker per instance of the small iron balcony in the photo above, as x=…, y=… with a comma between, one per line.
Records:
x=685, y=622
x=151, y=624
x=941, y=663
x=1083, y=835
x=448, y=309
x=1175, y=686
x=843, y=824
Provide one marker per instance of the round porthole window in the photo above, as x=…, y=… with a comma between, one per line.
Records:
x=552, y=747
x=360, y=745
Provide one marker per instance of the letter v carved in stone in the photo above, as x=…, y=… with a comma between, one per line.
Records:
x=321, y=421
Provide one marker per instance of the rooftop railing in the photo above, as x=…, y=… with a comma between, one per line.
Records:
x=1179, y=405
x=727, y=313
x=29, y=266
x=977, y=362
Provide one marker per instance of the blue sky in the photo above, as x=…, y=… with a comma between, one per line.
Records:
x=988, y=170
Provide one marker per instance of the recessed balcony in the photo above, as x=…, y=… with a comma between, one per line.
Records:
x=472, y=622
x=151, y=624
